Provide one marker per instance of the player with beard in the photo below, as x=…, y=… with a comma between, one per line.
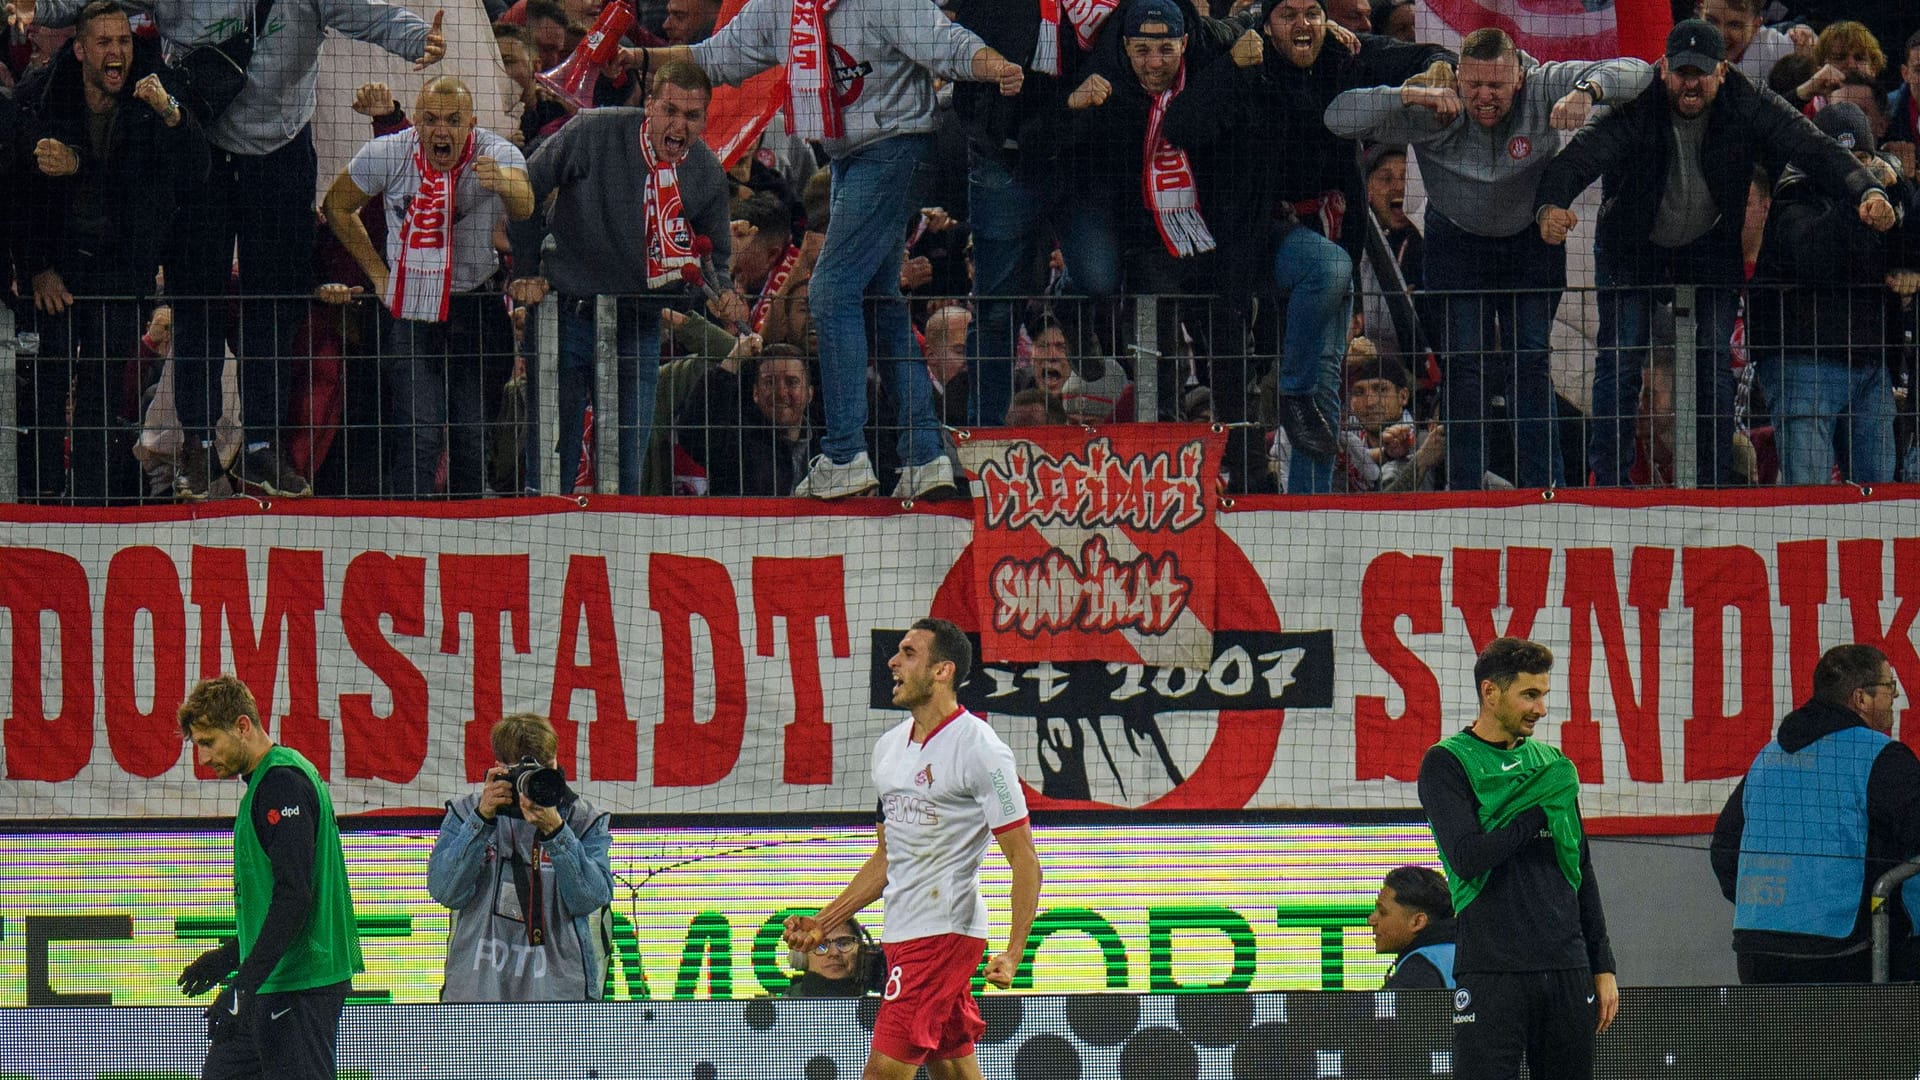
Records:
x=946, y=783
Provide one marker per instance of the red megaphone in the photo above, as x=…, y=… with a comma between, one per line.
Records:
x=572, y=81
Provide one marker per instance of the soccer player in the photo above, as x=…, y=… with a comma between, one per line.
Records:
x=1534, y=969
x=946, y=782
x=298, y=946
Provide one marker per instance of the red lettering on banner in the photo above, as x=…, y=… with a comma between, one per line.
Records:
x=1863, y=584
x=146, y=743
x=613, y=737
x=1719, y=744
x=391, y=747
x=1476, y=590
x=485, y=587
x=1803, y=588
x=801, y=592
x=296, y=594
x=1591, y=597
x=1096, y=489
x=1388, y=747
x=1051, y=595
x=687, y=752
x=38, y=746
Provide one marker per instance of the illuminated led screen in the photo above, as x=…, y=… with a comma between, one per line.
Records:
x=110, y=919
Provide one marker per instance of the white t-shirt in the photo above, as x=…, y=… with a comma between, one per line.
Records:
x=1764, y=51
x=384, y=169
x=941, y=802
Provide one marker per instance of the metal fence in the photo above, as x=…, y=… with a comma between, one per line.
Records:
x=1704, y=392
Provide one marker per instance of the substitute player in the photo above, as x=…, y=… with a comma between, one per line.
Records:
x=946, y=782
x=298, y=947
x=1532, y=964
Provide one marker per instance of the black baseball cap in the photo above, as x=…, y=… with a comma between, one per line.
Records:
x=1148, y=12
x=1847, y=125
x=1695, y=43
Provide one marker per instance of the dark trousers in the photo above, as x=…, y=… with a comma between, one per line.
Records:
x=85, y=350
x=1493, y=340
x=1543, y=1017
x=1854, y=967
x=1634, y=279
x=266, y=203
x=435, y=384
x=283, y=1037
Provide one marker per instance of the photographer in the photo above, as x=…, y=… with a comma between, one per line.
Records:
x=837, y=967
x=528, y=884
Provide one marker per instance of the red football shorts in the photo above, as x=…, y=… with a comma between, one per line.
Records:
x=927, y=1011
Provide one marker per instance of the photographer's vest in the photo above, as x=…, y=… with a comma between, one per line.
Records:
x=1803, y=854
x=328, y=948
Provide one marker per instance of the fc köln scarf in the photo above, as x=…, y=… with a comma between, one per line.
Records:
x=669, y=242
x=1084, y=16
x=757, y=318
x=812, y=111
x=1170, y=190
x=421, y=287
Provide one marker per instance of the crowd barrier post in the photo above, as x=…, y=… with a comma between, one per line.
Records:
x=544, y=465
x=1883, y=890
x=1146, y=357
x=9, y=412
x=1686, y=400
x=606, y=395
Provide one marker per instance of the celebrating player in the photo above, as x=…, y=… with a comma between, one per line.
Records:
x=945, y=782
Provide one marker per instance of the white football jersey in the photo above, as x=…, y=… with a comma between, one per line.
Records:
x=941, y=802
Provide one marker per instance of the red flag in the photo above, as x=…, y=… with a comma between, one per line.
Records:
x=1566, y=29
x=737, y=115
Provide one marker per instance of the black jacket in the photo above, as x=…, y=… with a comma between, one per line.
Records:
x=1102, y=147
x=722, y=430
x=1259, y=142
x=16, y=163
x=1629, y=149
x=1012, y=28
x=1820, y=286
x=1893, y=832
x=152, y=164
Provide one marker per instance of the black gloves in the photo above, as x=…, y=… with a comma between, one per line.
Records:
x=210, y=970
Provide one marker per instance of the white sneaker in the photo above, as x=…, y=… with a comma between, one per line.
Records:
x=921, y=480
x=827, y=479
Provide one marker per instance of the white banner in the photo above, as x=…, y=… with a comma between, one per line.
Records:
x=727, y=662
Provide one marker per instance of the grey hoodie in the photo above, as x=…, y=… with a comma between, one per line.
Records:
x=279, y=96
x=891, y=48
x=1483, y=179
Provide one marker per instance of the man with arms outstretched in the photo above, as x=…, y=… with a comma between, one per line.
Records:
x=946, y=782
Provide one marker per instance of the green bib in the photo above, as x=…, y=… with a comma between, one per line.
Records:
x=328, y=948
x=1508, y=782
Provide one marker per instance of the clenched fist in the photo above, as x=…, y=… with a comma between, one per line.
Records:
x=55, y=158
x=1570, y=113
x=1444, y=102
x=1094, y=91
x=373, y=100
x=155, y=95
x=1877, y=212
x=1556, y=223
x=487, y=171
x=1248, y=50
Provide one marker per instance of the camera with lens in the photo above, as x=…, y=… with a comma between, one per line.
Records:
x=541, y=785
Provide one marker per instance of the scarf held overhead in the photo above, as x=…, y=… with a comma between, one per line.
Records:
x=669, y=241
x=1170, y=189
x=1510, y=782
x=1084, y=16
x=421, y=287
x=813, y=112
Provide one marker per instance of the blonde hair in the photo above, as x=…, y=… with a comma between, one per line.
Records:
x=218, y=702
x=1849, y=36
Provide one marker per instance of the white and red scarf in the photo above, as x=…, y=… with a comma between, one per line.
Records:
x=782, y=270
x=1168, y=185
x=812, y=110
x=1084, y=16
x=421, y=286
x=669, y=241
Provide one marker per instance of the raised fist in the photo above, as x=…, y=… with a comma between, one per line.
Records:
x=373, y=100
x=155, y=95
x=1248, y=50
x=55, y=158
x=487, y=171
x=1094, y=91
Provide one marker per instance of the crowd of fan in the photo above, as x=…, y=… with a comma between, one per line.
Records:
x=946, y=234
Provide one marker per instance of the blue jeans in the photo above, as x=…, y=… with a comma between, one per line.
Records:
x=1824, y=411
x=1318, y=276
x=1012, y=216
x=873, y=195
x=637, y=343
x=1631, y=284
x=1496, y=338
